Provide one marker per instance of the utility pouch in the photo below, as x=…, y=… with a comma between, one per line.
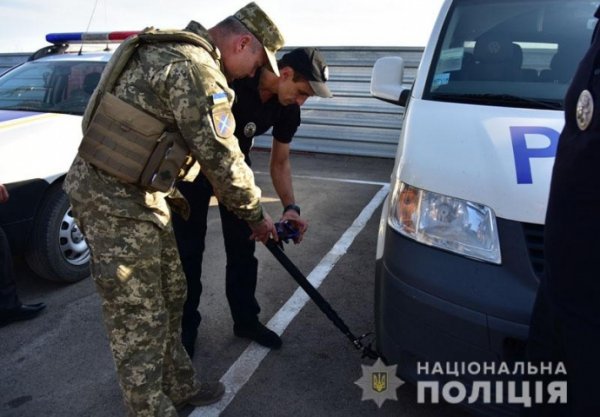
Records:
x=170, y=160
x=134, y=147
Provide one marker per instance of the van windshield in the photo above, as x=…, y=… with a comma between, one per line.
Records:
x=515, y=53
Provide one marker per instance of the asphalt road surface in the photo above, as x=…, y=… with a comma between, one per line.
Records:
x=60, y=363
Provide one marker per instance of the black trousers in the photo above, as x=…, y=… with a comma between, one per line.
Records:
x=8, y=289
x=557, y=336
x=242, y=266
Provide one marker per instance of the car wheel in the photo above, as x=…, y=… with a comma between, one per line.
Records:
x=57, y=249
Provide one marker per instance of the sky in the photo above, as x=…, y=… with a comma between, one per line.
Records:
x=302, y=22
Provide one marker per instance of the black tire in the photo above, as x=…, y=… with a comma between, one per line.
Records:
x=57, y=250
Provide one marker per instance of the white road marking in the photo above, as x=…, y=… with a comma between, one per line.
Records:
x=242, y=369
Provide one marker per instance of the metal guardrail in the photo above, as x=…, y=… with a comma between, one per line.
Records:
x=350, y=123
x=9, y=60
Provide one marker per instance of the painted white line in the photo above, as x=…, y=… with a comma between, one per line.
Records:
x=347, y=180
x=242, y=369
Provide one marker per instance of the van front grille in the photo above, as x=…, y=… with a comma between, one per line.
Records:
x=534, y=237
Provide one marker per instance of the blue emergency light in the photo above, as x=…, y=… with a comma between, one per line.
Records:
x=82, y=37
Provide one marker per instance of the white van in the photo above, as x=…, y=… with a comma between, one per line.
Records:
x=460, y=247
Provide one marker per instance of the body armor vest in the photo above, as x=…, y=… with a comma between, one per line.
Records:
x=127, y=142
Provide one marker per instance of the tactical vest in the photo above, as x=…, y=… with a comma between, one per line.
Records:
x=127, y=142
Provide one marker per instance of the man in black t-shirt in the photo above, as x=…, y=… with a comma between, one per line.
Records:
x=262, y=102
x=565, y=323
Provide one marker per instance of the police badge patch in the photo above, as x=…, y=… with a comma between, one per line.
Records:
x=250, y=129
x=584, y=110
x=224, y=122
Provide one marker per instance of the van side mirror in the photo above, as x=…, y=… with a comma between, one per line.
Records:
x=386, y=80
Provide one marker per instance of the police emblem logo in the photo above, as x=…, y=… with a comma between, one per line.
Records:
x=250, y=129
x=379, y=381
x=224, y=122
x=584, y=110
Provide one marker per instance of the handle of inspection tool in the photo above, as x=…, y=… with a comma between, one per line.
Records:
x=276, y=248
x=286, y=231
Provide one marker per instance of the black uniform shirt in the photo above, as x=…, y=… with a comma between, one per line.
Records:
x=572, y=243
x=253, y=117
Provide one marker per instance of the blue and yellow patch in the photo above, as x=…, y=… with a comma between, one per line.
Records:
x=224, y=122
x=219, y=98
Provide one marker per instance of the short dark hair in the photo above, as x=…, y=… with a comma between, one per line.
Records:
x=232, y=26
x=297, y=76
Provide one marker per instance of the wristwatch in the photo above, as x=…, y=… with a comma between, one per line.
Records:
x=292, y=207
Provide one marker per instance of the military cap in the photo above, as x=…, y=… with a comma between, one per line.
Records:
x=261, y=26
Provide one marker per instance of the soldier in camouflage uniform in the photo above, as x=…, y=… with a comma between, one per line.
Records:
x=135, y=263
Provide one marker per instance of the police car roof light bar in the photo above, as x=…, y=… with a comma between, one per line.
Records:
x=82, y=37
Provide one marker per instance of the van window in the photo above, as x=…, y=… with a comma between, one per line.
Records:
x=510, y=53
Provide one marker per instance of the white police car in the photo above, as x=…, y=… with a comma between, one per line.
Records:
x=41, y=104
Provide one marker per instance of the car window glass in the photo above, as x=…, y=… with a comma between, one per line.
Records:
x=50, y=86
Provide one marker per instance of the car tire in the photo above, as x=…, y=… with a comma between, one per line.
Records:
x=57, y=250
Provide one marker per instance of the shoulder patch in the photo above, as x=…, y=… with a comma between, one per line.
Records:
x=223, y=121
x=219, y=98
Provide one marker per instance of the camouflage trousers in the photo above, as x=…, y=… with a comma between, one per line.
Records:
x=137, y=272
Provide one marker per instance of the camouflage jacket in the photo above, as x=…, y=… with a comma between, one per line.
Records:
x=184, y=86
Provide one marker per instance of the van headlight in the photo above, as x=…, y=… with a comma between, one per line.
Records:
x=444, y=222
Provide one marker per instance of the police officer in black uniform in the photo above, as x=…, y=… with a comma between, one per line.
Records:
x=565, y=325
x=11, y=308
x=262, y=102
